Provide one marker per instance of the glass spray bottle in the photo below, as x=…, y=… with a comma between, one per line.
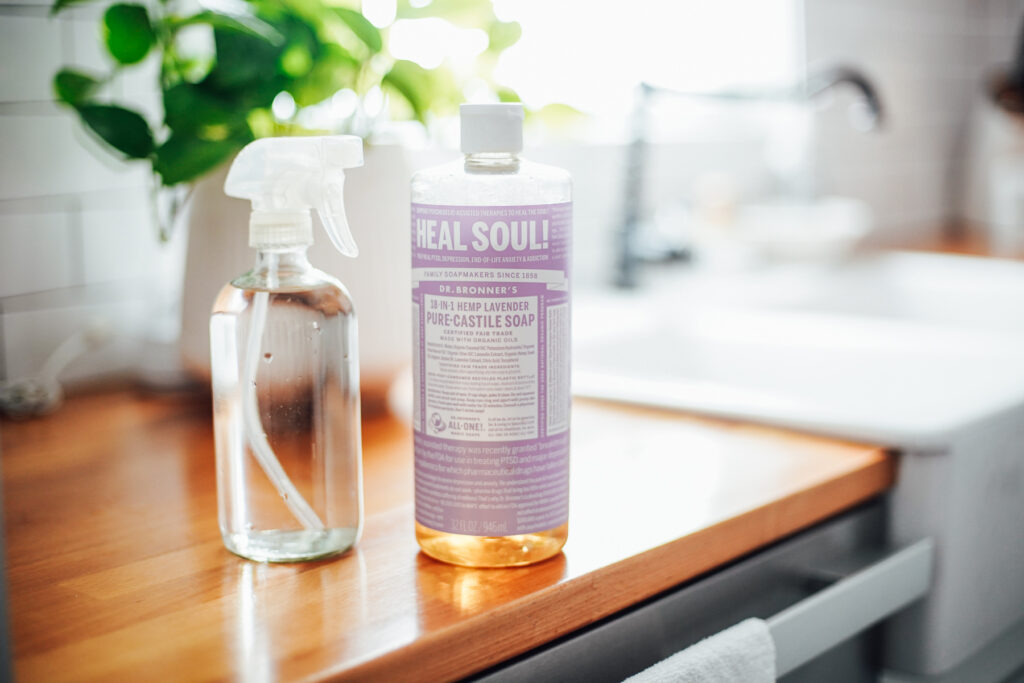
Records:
x=285, y=364
x=491, y=241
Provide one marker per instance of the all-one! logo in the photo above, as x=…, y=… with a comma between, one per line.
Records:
x=437, y=422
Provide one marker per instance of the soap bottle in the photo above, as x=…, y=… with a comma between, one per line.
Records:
x=284, y=362
x=491, y=238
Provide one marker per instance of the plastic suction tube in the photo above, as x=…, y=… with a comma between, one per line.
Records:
x=261, y=449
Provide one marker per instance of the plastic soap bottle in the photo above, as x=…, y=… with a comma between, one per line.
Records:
x=285, y=365
x=490, y=307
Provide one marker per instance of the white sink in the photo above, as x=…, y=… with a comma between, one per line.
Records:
x=947, y=290
x=923, y=353
x=897, y=348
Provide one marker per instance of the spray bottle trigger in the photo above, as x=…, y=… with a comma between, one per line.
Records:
x=331, y=210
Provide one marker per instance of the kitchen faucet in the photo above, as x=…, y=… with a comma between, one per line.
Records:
x=630, y=253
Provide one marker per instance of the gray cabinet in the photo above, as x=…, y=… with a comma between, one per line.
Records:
x=827, y=582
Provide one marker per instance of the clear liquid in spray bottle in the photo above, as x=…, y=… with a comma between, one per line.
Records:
x=491, y=237
x=285, y=363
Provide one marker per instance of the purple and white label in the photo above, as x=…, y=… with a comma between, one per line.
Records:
x=490, y=310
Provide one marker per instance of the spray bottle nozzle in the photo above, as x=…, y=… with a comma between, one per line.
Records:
x=285, y=177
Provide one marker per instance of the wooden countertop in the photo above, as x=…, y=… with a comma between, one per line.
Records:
x=116, y=569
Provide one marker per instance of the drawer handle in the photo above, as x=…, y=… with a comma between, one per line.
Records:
x=812, y=626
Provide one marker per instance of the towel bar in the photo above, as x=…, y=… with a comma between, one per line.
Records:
x=831, y=616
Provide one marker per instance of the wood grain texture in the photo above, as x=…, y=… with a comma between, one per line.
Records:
x=117, y=571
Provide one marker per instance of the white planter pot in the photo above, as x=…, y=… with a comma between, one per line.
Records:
x=377, y=202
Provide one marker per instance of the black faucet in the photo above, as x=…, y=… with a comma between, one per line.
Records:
x=630, y=254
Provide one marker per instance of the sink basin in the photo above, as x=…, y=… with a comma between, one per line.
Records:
x=902, y=349
x=958, y=291
x=921, y=353
x=948, y=290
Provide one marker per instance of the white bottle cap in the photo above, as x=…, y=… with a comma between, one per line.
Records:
x=280, y=229
x=491, y=127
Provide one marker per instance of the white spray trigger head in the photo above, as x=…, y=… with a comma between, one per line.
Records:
x=332, y=213
x=288, y=176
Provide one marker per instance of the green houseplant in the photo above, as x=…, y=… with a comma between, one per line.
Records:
x=218, y=68
x=221, y=67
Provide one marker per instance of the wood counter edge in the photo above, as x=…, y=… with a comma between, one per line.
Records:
x=477, y=643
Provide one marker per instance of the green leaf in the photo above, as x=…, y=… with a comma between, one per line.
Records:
x=183, y=157
x=296, y=61
x=557, y=116
x=242, y=23
x=411, y=81
x=64, y=4
x=74, y=87
x=261, y=123
x=424, y=90
x=364, y=30
x=243, y=62
x=508, y=95
x=187, y=107
x=122, y=129
x=336, y=69
x=503, y=34
x=128, y=33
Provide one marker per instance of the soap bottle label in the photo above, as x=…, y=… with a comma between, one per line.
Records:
x=490, y=301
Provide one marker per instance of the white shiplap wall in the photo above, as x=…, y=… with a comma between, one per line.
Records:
x=76, y=236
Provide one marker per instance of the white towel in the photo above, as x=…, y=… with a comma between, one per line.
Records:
x=743, y=653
